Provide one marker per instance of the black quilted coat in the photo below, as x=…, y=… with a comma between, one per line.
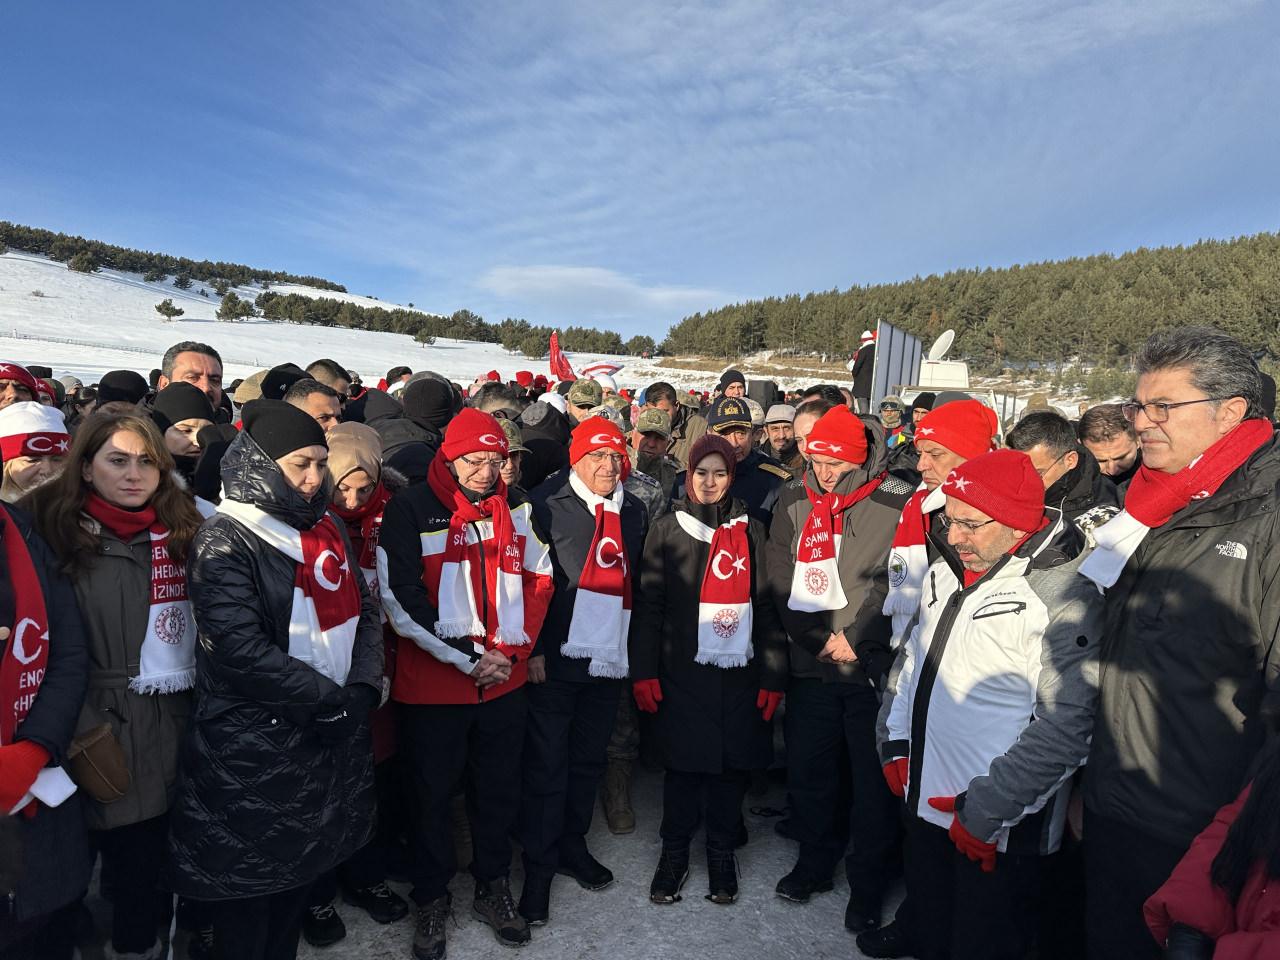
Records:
x=263, y=805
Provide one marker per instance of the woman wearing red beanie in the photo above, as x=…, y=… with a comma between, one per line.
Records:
x=708, y=657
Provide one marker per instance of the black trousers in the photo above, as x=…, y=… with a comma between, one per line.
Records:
x=569, y=728
x=259, y=928
x=825, y=724
x=132, y=856
x=961, y=913
x=682, y=806
x=480, y=744
x=1123, y=867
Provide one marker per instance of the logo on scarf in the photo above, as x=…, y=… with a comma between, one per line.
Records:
x=736, y=563
x=322, y=578
x=725, y=623
x=897, y=570
x=19, y=648
x=815, y=581
x=171, y=625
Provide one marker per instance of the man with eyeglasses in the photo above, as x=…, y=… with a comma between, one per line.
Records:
x=579, y=667
x=1072, y=481
x=1189, y=660
x=988, y=711
x=829, y=534
x=465, y=574
x=1111, y=438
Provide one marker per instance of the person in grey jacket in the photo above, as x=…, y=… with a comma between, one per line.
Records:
x=989, y=709
x=831, y=704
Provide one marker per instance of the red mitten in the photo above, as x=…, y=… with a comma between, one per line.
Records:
x=19, y=764
x=976, y=850
x=648, y=694
x=895, y=774
x=768, y=701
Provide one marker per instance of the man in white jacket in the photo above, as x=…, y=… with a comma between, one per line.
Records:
x=989, y=708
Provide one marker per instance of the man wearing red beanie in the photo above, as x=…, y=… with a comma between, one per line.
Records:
x=830, y=532
x=989, y=709
x=466, y=582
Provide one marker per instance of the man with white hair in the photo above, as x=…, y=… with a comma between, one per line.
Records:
x=608, y=386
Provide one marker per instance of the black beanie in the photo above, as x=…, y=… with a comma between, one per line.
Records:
x=923, y=401
x=429, y=402
x=279, y=379
x=180, y=401
x=395, y=373
x=39, y=372
x=122, y=385
x=280, y=428
x=732, y=376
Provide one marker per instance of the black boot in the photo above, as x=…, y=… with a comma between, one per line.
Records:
x=535, y=898
x=590, y=873
x=722, y=875
x=887, y=942
x=672, y=872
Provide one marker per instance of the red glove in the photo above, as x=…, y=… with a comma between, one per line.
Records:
x=895, y=774
x=648, y=694
x=19, y=764
x=973, y=848
x=767, y=701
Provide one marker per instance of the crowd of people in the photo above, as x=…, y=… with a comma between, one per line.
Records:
x=270, y=644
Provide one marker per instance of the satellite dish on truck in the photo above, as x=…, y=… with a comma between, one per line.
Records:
x=941, y=345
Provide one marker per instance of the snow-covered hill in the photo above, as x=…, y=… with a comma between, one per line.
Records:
x=87, y=324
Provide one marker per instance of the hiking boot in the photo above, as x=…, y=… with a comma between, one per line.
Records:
x=722, y=875
x=590, y=873
x=379, y=901
x=862, y=913
x=886, y=943
x=799, y=885
x=669, y=878
x=615, y=797
x=535, y=899
x=429, y=929
x=493, y=904
x=322, y=927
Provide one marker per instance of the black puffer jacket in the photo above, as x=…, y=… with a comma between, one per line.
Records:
x=708, y=720
x=545, y=431
x=263, y=805
x=49, y=853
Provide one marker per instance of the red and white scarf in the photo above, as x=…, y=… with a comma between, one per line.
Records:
x=724, y=600
x=364, y=526
x=502, y=565
x=1154, y=497
x=908, y=564
x=601, y=616
x=326, y=597
x=167, y=661
x=26, y=656
x=815, y=581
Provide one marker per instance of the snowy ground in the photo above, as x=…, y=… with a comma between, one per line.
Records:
x=110, y=320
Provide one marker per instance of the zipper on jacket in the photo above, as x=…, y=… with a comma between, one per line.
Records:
x=933, y=586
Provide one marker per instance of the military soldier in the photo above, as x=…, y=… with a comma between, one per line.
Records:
x=758, y=478
x=687, y=423
x=581, y=398
x=649, y=454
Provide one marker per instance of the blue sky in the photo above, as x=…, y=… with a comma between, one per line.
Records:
x=624, y=164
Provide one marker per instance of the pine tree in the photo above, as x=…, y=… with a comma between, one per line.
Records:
x=183, y=280
x=83, y=262
x=233, y=308
x=154, y=275
x=167, y=310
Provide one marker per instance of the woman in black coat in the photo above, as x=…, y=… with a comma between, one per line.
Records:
x=710, y=662
x=277, y=766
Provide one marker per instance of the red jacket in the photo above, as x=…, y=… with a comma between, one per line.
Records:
x=1246, y=930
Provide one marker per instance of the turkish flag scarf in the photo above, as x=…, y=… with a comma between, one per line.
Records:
x=815, y=582
x=601, y=616
x=1154, y=497
x=500, y=559
x=27, y=654
x=724, y=599
x=908, y=564
x=364, y=525
x=326, y=597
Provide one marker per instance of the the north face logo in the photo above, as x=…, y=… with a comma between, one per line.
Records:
x=1232, y=549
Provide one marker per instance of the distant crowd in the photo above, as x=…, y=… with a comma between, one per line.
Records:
x=274, y=645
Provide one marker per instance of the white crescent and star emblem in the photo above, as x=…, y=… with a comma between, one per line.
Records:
x=925, y=432
x=600, y=552
x=489, y=440
x=820, y=446
x=319, y=571
x=606, y=438
x=738, y=564
x=19, y=648
x=960, y=483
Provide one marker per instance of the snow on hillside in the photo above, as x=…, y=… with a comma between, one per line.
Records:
x=111, y=317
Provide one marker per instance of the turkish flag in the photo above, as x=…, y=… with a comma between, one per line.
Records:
x=558, y=362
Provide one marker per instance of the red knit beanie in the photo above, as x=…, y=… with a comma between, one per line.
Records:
x=595, y=433
x=524, y=378
x=493, y=375
x=840, y=435
x=965, y=427
x=470, y=432
x=1002, y=484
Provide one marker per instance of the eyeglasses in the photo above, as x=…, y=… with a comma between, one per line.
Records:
x=1159, y=412
x=964, y=526
x=495, y=462
x=1051, y=463
x=600, y=456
